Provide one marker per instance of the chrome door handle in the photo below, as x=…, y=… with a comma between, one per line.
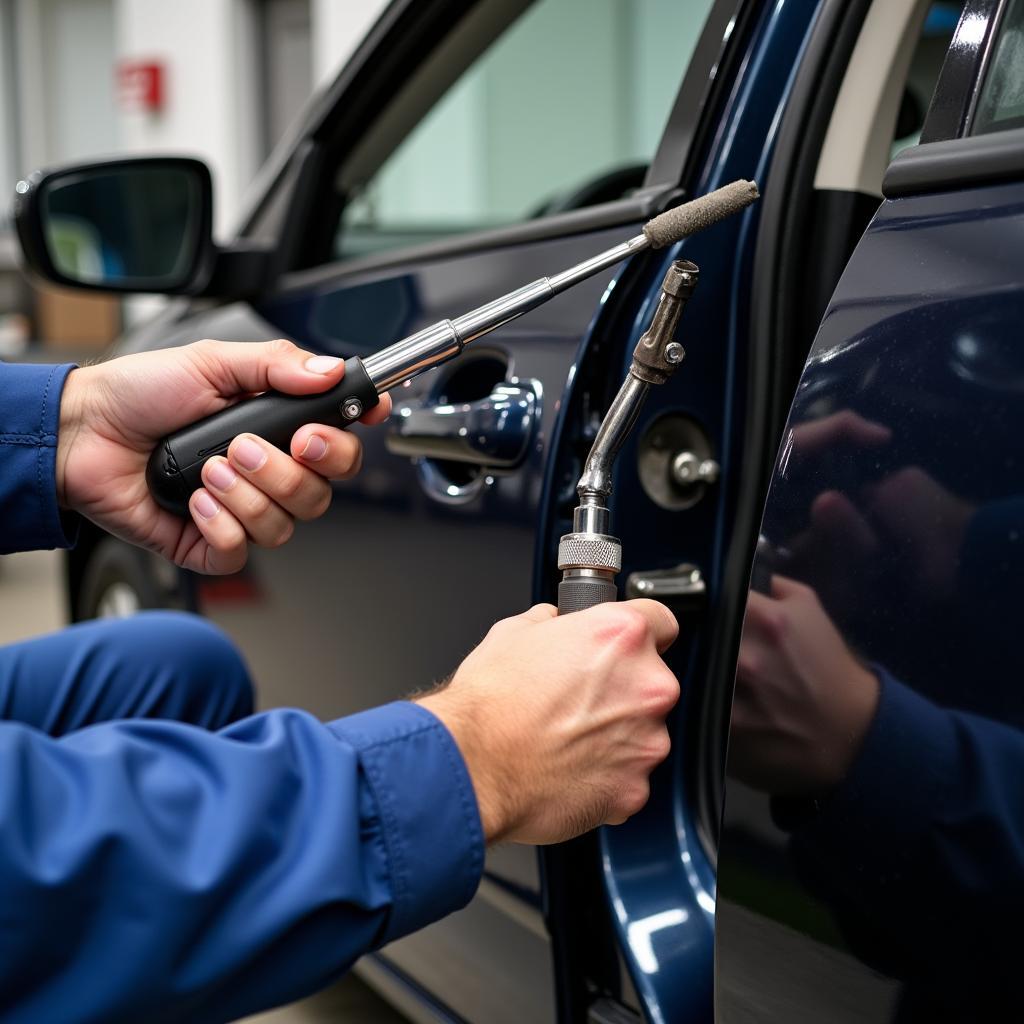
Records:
x=494, y=432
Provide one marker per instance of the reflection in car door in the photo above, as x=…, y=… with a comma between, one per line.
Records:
x=874, y=872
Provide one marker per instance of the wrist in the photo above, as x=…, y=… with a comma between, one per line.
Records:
x=69, y=429
x=860, y=691
x=495, y=821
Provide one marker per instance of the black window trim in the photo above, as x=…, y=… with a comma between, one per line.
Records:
x=956, y=91
x=956, y=163
x=681, y=136
x=949, y=156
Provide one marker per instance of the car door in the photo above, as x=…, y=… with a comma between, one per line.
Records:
x=870, y=862
x=469, y=149
x=434, y=550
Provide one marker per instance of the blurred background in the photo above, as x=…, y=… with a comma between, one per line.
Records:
x=220, y=79
x=224, y=79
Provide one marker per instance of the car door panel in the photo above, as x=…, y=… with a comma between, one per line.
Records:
x=889, y=897
x=657, y=869
x=400, y=578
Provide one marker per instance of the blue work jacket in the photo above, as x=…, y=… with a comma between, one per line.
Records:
x=153, y=871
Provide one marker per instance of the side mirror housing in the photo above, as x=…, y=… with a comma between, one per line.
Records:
x=121, y=225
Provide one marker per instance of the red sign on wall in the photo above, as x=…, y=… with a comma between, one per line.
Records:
x=140, y=85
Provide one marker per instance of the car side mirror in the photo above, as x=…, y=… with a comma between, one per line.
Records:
x=123, y=225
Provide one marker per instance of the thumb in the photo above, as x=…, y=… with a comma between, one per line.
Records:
x=233, y=368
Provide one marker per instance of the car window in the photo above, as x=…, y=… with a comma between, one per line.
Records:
x=562, y=111
x=1001, y=100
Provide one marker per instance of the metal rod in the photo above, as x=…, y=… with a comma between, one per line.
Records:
x=596, y=481
x=442, y=341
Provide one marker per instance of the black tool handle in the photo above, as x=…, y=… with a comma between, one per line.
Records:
x=174, y=468
x=579, y=592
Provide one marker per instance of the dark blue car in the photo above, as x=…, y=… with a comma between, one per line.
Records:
x=839, y=832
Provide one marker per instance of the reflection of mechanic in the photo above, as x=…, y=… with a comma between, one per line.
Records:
x=903, y=814
x=209, y=867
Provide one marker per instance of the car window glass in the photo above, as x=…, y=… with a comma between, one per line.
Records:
x=562, y=111
x=1001, y=100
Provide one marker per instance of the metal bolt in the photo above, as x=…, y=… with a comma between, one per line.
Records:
x=708, y=471
x=687, y=469
x=352, y=408
x=674, y=352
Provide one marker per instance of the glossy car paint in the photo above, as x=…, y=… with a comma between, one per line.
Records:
x=658, y=875
x=823, y=913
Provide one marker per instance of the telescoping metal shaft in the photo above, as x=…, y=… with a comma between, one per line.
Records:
x=447, y=338
x=175, y=468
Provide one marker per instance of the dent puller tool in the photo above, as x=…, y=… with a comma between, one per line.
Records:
x=174, y=468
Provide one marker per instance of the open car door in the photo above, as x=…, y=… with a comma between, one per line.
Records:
x=871, y=865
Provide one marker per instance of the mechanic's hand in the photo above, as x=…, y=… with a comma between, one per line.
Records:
x=907, y=514
x=562, y=719
x=803, y=702
x=812, y=437
x=926, y=521
x=113, y=414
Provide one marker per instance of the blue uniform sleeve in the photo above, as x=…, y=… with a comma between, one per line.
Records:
x=153, y=871
x=924, y=841
x=29, y=413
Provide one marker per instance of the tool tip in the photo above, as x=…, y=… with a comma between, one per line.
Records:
x=700, y=213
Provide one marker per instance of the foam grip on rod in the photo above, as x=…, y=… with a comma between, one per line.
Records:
x=580, y=592
x=175, y=467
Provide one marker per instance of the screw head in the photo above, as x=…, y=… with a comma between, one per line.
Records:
x=674, y=352
x=352, y=408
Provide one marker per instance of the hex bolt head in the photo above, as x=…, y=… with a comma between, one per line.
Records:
x=674, y=352
x=352, y=408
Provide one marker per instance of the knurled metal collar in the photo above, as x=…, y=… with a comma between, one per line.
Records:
x=589, y=551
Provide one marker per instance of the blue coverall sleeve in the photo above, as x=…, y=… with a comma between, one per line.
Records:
x=924, y=841
x=154, y=871
x=29, y=413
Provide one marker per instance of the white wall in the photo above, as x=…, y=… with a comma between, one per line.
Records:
x=9, y=147
x=209, y=52
x=338, y=26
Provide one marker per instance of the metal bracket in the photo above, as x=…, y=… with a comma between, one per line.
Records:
x=682, y=585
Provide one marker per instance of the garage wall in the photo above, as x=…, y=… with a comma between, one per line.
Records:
x=338, y=25
x=207, y=50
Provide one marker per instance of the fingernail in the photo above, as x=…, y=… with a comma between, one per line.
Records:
x=316, y=448
x=248, y=454
x=221, y=476
x=322, y=364
x=206, y=506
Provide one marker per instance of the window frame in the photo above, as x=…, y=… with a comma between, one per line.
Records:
x=956, y=92
x=949, y=156
x=347, y=110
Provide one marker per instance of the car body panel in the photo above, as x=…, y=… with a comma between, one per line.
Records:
x=839, y=915
x=657, y=871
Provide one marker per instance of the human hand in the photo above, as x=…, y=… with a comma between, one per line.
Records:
x=561, y=720
x=113, y=414
x=907, y=513
x=812, y=437
x=803, y=703
x=928, y=522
